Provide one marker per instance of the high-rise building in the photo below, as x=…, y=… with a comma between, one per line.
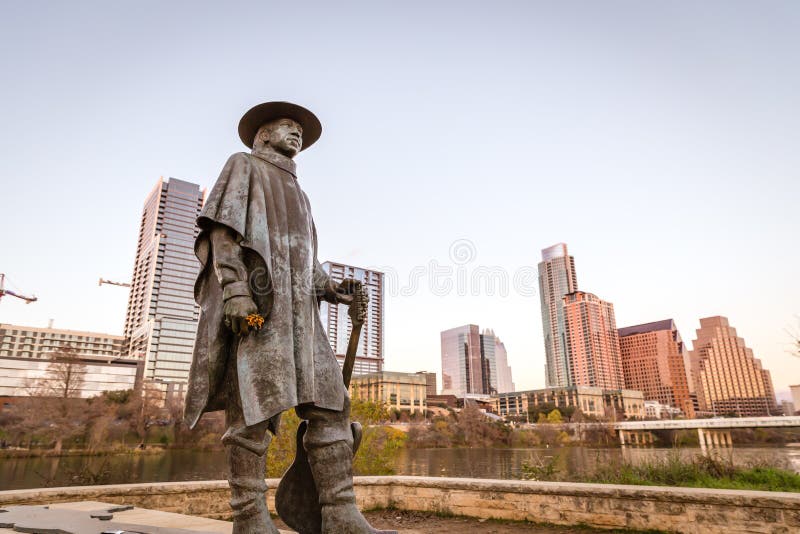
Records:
x=469, y=364
x=556, y=279
x=488, y=362
x=505, y=381
x=369, y=356
x=770, y=392
x=162, y=315
x=592, y=341
x=461, y=361
x=795, y=391
x=728, y=378
x=502, y=370
x=430, y=382
x=654, y=362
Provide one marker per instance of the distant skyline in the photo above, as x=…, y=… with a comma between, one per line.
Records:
x=659, y=141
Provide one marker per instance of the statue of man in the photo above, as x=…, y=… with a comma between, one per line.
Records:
x=258, y=253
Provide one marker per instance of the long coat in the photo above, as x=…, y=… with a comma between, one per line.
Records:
x=289, y=361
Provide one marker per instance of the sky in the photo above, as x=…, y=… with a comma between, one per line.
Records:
x=658, y=140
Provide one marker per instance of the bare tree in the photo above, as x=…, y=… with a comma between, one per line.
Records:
x=64, y=376
x=55, y=410
x=144, y=409
x=49, y=419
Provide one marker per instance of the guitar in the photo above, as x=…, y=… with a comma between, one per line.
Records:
x=296, y=499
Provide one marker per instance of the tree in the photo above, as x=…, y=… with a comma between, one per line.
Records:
x=568, y=412
x=368, y=413
x=542, y=420
x=142, y=410
x=379, y=444
x=577, y=416
x=55, y=410
x=555, y=417
x=376, y=455
x=544, y=408
x=283, y=447
x=51, y=420
x=64, y=376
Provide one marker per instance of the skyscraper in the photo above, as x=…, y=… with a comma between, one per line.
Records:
x=162, y=315
x=728, y=378
x=469, y=364
x=654, y=362
x=369, y=357
x=592, y=341
x=556, y=279
x=488, y=362
x=505, y=379
x=504, y=382
x=795, y=391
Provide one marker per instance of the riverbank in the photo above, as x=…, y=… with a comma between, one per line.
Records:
x=177, y=465
x=711, y=470
x=50, y=453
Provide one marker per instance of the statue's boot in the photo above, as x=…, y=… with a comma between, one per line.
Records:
x=329, y=446
x=246, y=472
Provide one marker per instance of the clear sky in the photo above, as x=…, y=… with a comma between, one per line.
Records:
x=659, y=140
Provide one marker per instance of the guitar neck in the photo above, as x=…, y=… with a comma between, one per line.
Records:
x=350, y=357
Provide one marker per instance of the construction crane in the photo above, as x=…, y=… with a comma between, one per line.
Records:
x=109, y=282
x=4, y=291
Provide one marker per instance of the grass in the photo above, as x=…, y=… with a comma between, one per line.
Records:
x=698, y=472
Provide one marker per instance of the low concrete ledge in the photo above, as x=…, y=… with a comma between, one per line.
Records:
x=206, y=498
x=685, y=510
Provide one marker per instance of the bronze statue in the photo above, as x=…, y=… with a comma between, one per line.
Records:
x=261, y=348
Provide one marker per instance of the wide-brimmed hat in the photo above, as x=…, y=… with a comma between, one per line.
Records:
x=261, y=114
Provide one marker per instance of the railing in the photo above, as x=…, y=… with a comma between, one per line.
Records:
x=732, y=422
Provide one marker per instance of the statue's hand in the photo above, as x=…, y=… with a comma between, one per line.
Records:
x=353, y=293
x=236, y=311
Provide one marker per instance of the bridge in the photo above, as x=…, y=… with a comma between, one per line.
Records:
x=711, y=432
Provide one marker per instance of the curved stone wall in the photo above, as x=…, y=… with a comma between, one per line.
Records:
x=684, y=510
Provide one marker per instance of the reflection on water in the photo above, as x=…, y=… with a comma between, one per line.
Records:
x=169, y=466
x=179, y=465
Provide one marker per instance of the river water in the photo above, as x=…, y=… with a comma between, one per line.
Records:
x=183, y=465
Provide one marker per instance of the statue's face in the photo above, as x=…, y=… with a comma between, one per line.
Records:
x=284, y=136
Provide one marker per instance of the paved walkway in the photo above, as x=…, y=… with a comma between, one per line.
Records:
x=404, y=522
x=139, y=517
